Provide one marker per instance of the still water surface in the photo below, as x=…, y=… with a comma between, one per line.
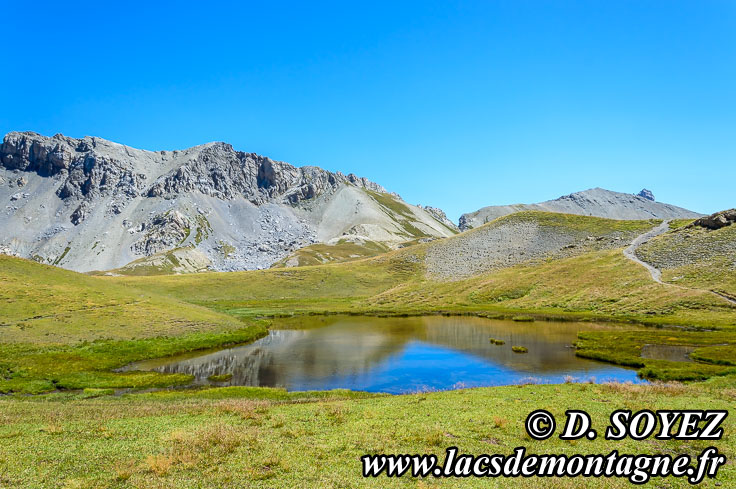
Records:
x=398, y=355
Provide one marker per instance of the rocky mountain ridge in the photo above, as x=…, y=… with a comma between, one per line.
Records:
x=596, y=202
x=90, y=204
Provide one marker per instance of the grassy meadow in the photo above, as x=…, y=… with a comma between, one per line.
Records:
x=69, y=420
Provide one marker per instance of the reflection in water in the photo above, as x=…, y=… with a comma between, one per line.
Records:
x=397, y=355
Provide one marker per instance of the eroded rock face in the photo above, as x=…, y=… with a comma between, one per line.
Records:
x=47, y=156
x=90, y=168
x=92, y=204
x=716, y=221
x=647, y=194
x=85, y=174
x=219, y=171
x=162, y=232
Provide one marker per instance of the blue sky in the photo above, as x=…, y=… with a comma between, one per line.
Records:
x=457, y=105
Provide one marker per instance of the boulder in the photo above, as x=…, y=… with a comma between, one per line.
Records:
x=717, y=220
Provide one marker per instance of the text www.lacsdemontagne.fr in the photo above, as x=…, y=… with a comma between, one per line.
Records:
x=638, y=469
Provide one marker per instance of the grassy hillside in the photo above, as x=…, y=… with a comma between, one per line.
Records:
x=45, y=305
x=321, y=253
x=62, y=329
x=588, y=282
x=695, y=257
x=526, y=237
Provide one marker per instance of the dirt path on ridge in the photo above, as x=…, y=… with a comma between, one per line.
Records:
x=630, y=253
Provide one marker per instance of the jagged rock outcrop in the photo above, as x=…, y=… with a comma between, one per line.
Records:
x=597, y=202
x=647, y=194
x=219, y=171
x=216, y=170
x=716, y=221
x=440, y=215
x=89, y=204
x=162, y=232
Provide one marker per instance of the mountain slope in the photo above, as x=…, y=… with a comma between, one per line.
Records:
x=524, y=237
x=45, y=305
x=595, y=202
x=700, y=255
x=90, y=204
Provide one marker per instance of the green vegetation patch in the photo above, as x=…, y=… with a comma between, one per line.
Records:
x=624, y=348
x=523, y=319
x=391, y=203
x=574, y=222
x=400, y=212
x=32, y=369
x=61, y=257
x=251, y=437
x=220, y=378
x=679, y=223
x=342, y=251
x=204, y=228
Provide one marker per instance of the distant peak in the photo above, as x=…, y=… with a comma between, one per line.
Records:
x=647, y=194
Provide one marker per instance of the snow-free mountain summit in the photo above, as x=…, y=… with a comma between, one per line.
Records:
x=596, y=202
x=91, y=204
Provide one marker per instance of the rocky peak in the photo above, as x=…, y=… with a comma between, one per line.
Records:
x=220, y=171
x=597, y=202
x=28, y=151
x=92, y=204
x=89, y=168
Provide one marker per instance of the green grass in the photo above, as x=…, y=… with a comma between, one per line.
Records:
x=62, y=329
x=400, y=211
x=203, y=229
x=220, y=378
x=574, y=222
x=523, y=319
x=61, y=257
x=226, y=249
x=389, y=202
x=696, y=257
x=320, y=253
x=679, y=223
x=249, y=437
